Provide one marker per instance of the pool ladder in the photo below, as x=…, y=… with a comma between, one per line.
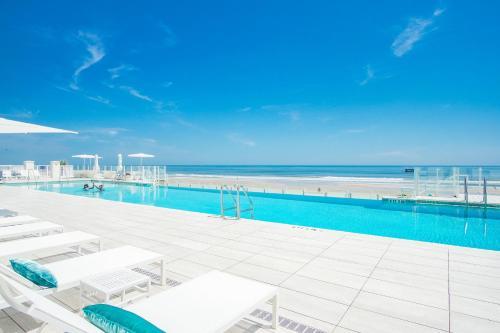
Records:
x=235, y=193
x=485, y=191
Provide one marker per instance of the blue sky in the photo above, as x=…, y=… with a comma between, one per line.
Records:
x=254, y=82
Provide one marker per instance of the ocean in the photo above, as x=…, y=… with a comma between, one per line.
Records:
x=347, y=171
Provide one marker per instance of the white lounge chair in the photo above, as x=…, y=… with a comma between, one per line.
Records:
x=35, y=244
x=70, y=272
x=35, y=229
x=211, y=303
x=16, y=220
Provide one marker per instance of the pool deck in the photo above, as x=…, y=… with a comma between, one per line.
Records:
x=329, y=281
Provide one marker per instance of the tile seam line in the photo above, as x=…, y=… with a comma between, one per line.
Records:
x=487, y=275
x=411, y=273
x=449, y=295
x=259, y=253
x=359, y=291
x=313, y=258
x=350, y=329
x=402, y=319
x=469, y=315
x=380, y=279
x=404, y=300
x=308, y=316
x=476, y=299
x=416, y=264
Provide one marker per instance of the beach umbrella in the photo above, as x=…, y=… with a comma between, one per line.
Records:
x=84, y=157
x=141, y=156
x=8, y=126
x=96, y=164
x=119, y=166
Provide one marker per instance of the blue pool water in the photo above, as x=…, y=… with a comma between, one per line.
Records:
x=455, y=225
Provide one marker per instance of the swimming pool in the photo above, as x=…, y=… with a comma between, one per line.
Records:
x=446, y=224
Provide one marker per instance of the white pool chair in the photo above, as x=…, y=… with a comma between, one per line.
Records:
x=32, y=229
x=70, y=272
x=211, y=303
x=15, y=220
x=66, y=240
x=43, y=309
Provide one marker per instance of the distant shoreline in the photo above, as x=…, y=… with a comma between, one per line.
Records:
x=293, y=178
x=337, y=173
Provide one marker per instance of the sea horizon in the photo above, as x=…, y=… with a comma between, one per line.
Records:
x=320, y=171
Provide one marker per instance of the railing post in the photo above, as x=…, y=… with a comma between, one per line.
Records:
x=485, y=192
x=238, y=210
x=221, y=202
x=466, y=191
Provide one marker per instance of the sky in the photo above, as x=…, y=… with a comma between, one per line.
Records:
x=254, y=82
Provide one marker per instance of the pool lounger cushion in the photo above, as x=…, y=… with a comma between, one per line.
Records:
x=112, y=319
x=34, y=272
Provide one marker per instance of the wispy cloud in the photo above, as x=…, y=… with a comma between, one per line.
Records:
x=293, y=115
x=354, y=131
x=244, y=109
x=370, y=74
x=167, y=84
x=99, y=99
x=438, y=11
x=134, y=92
x=170, y=39
x=170, y=110
x=21, y=113
x=106, y=131
x=185, y=123
x=95, y=51
x=237, y=138
x=116, y=72
x=165, y=107
x=414, y=31
x=292, y=112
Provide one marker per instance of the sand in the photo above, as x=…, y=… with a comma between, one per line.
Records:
x=370, y=188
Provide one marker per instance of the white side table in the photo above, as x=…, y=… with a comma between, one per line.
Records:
x=102, y=287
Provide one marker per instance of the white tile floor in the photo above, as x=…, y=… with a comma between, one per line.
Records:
x=333, y=281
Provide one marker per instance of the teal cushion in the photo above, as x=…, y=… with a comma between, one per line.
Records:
x=111, y=319
x=34, y=272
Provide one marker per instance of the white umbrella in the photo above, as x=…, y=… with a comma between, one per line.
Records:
x=141, y=156
x=85, y=157
x=96, y=164
x=8, y=126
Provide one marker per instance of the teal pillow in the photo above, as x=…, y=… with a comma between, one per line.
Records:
x=112, y=319
x=34, y=272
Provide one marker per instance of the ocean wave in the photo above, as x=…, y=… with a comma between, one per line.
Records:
x=296, y=178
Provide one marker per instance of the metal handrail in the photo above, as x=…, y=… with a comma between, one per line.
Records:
x=223, y=209
x=238, y=189
x=250, y=202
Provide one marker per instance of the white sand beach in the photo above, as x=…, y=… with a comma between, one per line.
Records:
x=359, y=187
